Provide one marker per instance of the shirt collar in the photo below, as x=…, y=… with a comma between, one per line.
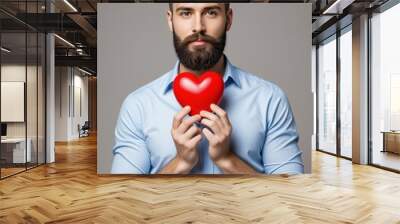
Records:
x=230, y=74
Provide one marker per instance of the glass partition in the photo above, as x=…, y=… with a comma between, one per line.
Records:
x=41, y=96
x=13, y=109
x=31, y=100
x=22, y=77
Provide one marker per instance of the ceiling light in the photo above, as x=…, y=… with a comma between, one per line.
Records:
x=64, y=40
x=328, y=10
x=338, y=6
x=5, y=50
x=70, y=5
x=84, y=71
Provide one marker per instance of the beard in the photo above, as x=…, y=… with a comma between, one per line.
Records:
x=201, y=58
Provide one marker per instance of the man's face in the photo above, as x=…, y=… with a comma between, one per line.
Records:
x=199, y=33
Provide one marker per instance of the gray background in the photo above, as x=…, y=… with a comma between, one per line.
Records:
x=135, y=47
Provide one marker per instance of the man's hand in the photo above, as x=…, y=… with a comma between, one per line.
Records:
x=219, y=142
x=219, y=138
x=186, y=137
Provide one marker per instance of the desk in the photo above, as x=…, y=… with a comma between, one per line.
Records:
x=15, y=148
x=391, y=141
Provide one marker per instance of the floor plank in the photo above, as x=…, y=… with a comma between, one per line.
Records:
x=70, y=191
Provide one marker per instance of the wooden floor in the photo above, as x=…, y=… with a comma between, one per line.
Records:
x=388, y=159
x=5, y=172
x=70, y=191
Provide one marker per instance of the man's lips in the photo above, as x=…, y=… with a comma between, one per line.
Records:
x=199, y=42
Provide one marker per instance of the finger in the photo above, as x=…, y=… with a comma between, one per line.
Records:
x=208, y=134
x=208, y=115
x=213, y=125
x=191, y=132
x=187, y=123
x=179, y=116
x=195, y=140
x=220, y=112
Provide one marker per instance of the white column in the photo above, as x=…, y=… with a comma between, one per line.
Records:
x=50, y=91
x=50, y=82
x=360, y=90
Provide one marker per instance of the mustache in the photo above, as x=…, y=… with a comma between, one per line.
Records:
x=201, y=36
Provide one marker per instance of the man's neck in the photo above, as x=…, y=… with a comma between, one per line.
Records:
x=219, y=67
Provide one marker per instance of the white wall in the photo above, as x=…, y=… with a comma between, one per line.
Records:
x=33, y=126
x=12, y=73
x=68, y=83
x=61, y=103
x=80, y=83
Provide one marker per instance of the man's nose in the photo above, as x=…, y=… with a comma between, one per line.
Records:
x=198, y=25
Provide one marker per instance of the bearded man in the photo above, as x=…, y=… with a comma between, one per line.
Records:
x=252, y=130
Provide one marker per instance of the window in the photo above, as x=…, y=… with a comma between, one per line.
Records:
x=334, y=106
x=346, y=93
x=327, y=96
x=385, y=89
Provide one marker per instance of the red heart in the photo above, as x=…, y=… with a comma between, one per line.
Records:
x=198, y=92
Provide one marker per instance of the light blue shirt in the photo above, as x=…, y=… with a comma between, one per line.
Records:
x=263, y=133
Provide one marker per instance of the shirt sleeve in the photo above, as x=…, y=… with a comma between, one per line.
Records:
x=130, y=155
x=281, y=153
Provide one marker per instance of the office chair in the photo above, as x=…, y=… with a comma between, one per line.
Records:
x=84, y=130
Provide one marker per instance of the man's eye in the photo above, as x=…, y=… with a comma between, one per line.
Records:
x=212, y=12
x=184, y=13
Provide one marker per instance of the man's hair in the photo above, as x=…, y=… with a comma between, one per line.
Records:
x=226, y=7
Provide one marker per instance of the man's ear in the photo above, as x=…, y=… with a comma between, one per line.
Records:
x=229, y=19
x=169, y=19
